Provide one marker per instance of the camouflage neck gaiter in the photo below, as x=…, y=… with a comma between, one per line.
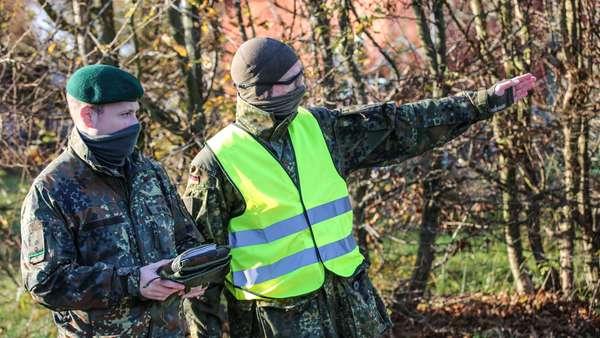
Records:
x=280, y=106
x=261, y=123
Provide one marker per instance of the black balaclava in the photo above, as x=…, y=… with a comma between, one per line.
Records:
x=111, y=150
x=257, y=65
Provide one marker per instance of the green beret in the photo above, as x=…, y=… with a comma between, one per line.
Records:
x=99, y=84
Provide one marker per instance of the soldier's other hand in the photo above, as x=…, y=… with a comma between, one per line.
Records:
x=152, y=286
x=194, y=292
x=504, y=93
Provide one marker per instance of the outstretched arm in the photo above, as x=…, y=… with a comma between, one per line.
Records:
x=385, y=133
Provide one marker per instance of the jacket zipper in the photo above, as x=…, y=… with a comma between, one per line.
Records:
x=132, y=220
x=134, y=229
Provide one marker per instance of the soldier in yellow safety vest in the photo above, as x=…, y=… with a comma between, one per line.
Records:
x=272, y=186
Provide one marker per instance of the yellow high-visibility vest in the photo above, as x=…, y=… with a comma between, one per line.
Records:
x=286, y=237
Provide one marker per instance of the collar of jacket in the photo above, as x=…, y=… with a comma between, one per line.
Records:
x=83, y=152
x=259, y=122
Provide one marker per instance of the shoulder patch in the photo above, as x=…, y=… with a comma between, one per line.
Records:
x=35, y=241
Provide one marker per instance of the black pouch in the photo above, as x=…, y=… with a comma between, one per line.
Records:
x=207, y=263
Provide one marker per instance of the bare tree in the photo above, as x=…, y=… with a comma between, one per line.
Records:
x=574, y=62
x=434, y=42
x=504, y=126
x=240, y=19
x=81, y=16
x=319, y=18
x=104, y=28
x=348, y=48
x=185, y=22
x=590, y=234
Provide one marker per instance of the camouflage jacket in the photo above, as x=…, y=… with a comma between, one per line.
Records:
x=86, y=230
x=357, y=137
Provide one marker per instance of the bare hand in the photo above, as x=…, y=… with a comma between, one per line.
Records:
x=194, y=292
x=152, y=286
x=521, y=85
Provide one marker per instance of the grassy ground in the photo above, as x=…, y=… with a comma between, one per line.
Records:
x=479, y=266
x=19, y=315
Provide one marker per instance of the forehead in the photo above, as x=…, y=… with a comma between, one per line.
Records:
x=122, y=106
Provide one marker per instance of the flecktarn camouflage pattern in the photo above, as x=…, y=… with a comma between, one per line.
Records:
x=357, y=137
x=87, y=230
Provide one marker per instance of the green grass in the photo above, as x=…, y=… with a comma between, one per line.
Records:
x=12, y=192
x=20, y=316
x=480, y=266
x=484, y=269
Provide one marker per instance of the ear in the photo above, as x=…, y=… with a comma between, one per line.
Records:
x=87, y=116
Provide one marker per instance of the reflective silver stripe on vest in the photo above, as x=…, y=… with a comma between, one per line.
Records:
x=291, y=225
x=250, y=277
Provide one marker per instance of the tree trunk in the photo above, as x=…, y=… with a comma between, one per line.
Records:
x=191, y=29
x=185, y=25
x=590, y=249
x=321, y=29
x=512, y=143
x=250, y=20
x=503, y=124
x=136, y=42
x=569, y=209
x=427, y=234
x=512, y=232
x=479, y=18
x=81, y=17
x=572, y=60
x=550, y=275
x=347, y=41
x=435, y=46
x=533, y=232
x=522, y=62
x=240, y=19
x=104, y=28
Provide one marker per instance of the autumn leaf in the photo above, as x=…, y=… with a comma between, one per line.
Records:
x=51, y=47
x=180, y=50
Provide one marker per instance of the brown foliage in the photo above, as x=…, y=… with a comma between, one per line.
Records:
x=501, y=315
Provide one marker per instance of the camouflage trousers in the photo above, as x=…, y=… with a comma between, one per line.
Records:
x=343, y=307
x=141, y=319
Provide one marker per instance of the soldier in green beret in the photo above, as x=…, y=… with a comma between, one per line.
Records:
x=272, y=186
x=101, y=218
